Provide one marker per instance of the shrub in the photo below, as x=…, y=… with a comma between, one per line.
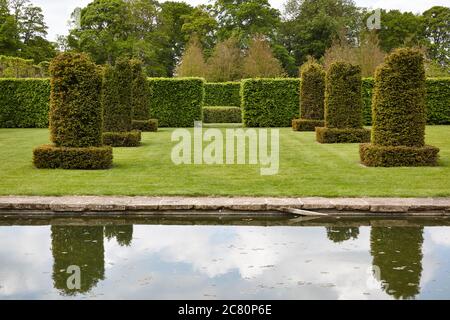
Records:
x=312, y=91
x=399, y=114
x=343, y=106
x=306, y=125
x=116, y=97
x=367, y=93
x=438, y=101
x=223, y=94
x=24, y=103
x=333, y=135
x=222, y=115
x=343, y=102
x=90, y=158
x=122, y=139
x=400, y=156
x=270, y=102
x=176, y=102
x=75, y=117
x=75, y=109
x=145, y=125
x=140, y=92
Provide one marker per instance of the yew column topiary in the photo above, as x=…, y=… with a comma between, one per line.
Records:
x=140, y=96
x=118, y=106
x=312, y=95
x=343, y=106
x=399, y=114
x=75, y=117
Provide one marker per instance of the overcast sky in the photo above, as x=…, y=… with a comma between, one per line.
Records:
x=57, y=12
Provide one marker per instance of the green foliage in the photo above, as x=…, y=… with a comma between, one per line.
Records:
x=117, y=97
x=399, y=109
x=398, y=156
x=176, y=102
x=367, y=94
x=307, y=125
x=335, y=135
x=122, y=139
x=146, y=125
x=24, y=103
x=438, y=101
x=222, y=115
x=223, y=94
x=13, y=67
x=75, y=108
x=270, y=102
x=140, y=92
x=437, y=31
x=343, y=99
x=312, y=91
x=90, y=158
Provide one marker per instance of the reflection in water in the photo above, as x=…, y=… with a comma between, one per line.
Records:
x=81, y=247
x=160, y=261
x=123, y=234
x=342, y=234
x=397, y=252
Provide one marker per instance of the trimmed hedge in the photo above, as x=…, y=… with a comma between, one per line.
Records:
x=146, y=125
x=307, y=125
x=75, y=109
x=223, y=94
x=90, y=158
x=367, y=95
x=334, y=135
x=222, y=115
x=116, y=97
x=400, y=156
x=343, y=99
x=122, y=139
x=399, y=114
x=270, y=102
x=177, y=102
x=399, y=111
x=75, y=117
x=140, y=92
x=343, y=106
x=24, y=103
x=312, y=92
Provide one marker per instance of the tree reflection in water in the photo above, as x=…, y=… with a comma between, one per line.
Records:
x=397, y=254
x=122, y=233
x=342, y=234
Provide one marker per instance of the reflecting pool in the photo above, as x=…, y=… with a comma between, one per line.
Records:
x=217, y=259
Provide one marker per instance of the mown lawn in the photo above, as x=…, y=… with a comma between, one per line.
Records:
x=306, y=169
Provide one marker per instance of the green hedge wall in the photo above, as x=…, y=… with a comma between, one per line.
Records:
x=176, y=102
x=438, y=100
x=270, y=102
x=223, y=94
x=222, y=115
x=24, y=103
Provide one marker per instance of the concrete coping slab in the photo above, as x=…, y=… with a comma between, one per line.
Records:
x=160, y=205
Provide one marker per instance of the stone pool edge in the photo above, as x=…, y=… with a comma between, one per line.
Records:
x=191, y=206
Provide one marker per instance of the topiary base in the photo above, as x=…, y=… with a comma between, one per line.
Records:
x=122, y=139
x=93, y=158
x=145, y=125
x=333, y=135
x=381, y=156
x=306, y=124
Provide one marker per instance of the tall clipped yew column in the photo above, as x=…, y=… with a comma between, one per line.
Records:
x=75, y=117
x=399, y=114
x=118, y=106
x=140, y=99
x=343, y=106
x=312, y=96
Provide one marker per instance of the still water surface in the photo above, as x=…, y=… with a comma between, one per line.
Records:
x=242, y=260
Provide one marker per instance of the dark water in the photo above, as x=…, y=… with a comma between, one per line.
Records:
x=243, y=259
